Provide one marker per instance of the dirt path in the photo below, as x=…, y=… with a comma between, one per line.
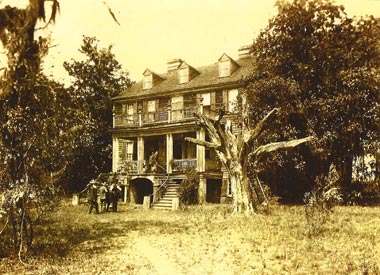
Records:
x=161, y=264
x=137, y=256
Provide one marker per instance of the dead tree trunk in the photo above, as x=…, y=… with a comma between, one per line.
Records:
x=234, y=152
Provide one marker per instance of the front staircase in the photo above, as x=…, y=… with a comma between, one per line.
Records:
x=169, y=194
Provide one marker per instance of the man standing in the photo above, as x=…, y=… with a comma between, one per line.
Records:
x=115, y=191
x=93, y=196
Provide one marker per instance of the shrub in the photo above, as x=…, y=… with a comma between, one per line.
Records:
x=188, y=191
x=320, y=201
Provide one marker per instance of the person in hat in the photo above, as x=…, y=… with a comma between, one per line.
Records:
x=93, y=196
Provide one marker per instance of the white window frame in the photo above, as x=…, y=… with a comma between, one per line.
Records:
x=183, y=75
x=224, y=68
x=148, y=82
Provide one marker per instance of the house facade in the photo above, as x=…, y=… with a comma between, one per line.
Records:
x=153, y=117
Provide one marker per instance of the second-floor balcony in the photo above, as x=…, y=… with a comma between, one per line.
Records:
x=147, y=118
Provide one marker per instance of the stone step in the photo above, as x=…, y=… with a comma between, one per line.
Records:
x=162, y=207
x=170, y=193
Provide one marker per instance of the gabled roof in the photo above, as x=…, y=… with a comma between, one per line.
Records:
x=226, y=57
x=185, y=65
x=208, y=77
x=150, y=72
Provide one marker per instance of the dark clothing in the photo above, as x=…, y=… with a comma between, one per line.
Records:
x=114, y=194
x=93, y=198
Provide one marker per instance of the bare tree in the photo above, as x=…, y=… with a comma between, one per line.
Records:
x=235, y=151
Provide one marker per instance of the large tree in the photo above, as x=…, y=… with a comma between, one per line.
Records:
x=37, y=126
x=322, y=68
x=96, y=80
x=237, y=150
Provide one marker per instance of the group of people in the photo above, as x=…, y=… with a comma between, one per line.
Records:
x=102, y=194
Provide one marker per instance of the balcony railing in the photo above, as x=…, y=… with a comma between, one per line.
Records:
x=124, y=121
x=189, y=112
x=147, y=118
x=185, y=113
x=131, y=166
x=152, y=117
x=181, y=164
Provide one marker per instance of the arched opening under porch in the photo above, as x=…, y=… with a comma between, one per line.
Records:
x=139, y=188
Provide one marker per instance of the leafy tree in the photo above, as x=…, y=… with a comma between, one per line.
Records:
x=96, y=80
x=38, y=122
x=322, y=69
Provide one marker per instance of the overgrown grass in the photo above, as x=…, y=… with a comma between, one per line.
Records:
x=203, y=240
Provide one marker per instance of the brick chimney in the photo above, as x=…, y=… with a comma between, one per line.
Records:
x=173, y=64
x=244, y=51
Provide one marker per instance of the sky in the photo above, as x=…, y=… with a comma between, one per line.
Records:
x=151, y=32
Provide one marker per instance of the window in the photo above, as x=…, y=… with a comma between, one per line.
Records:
x=151, y=106
x=177, y=107
x=183, y=75
x=125, y=150
x=218, y=100
x=206, y=102
x=118, y=109
x=147, y=82
x=224, y=68
x=151, y=110
x=130, y=113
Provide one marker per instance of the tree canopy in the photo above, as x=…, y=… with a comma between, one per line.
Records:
x=96, y=80
x=322, y=69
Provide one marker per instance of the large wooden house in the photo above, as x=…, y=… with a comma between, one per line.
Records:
x=153, y=117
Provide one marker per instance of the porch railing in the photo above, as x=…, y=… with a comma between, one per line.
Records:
x=180, y=164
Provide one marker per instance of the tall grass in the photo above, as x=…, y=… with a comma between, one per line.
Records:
x=203, y=240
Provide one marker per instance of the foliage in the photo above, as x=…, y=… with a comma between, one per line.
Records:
x=38, y=124
x=322, y=69
x=319, y=203
x=188, y=190
x=96, y=80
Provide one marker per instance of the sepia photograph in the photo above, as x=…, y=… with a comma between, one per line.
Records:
x=173, y=137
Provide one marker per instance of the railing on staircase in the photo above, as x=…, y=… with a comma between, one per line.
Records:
x=161, y=189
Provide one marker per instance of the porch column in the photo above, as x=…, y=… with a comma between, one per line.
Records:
x=201, y=165
x=140, y=118
x=202, y=190
x=169, y=152
x=140, y=154
x=115, y=153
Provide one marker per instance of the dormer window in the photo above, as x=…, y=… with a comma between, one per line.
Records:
x=148, y=81
x=183, y=75
x=227, y=66
x=224, y=68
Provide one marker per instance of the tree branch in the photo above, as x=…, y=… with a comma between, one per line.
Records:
x=253, y=134
x=203, y=143
x=280, y=145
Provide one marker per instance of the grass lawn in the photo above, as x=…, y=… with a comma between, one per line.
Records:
x=202, y=240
